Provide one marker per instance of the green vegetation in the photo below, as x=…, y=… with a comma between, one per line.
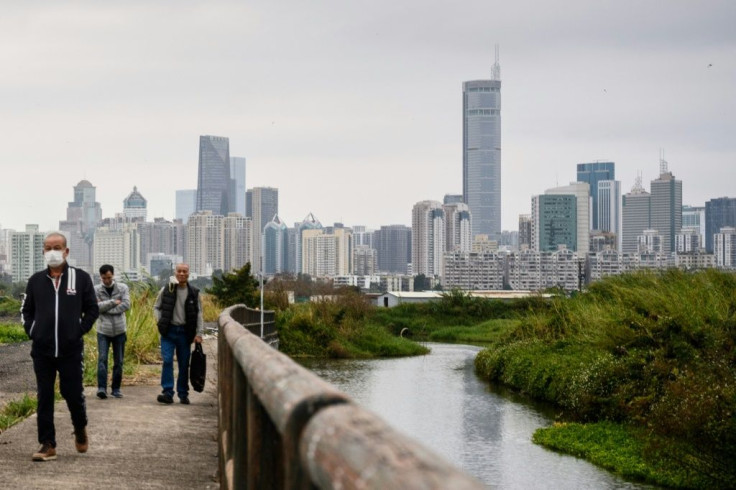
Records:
x=651, y=350
x=16, y=410
x=12, y=332
x=234, y=288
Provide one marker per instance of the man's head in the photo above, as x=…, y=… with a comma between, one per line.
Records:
x=55, y=250
x=182, y=274
x=107, y=274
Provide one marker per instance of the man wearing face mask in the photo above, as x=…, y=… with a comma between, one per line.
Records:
x=58, y=308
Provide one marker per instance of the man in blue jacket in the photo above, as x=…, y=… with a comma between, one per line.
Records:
x=59, y=307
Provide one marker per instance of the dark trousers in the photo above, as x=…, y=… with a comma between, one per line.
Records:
x=118, y=353
x=70, y=384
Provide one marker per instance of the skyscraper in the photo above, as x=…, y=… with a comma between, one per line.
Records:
x=592, y=173
x=636, y=210
x=581, y=192
x=213, y=176
x=555, y=222
x=186, y=204
x=26, y=253
x=666, y=207
x=237, y=174
x=308, y=223
x=134, y=206
x=82, y=216
x=393, y=247
x=275, y=246
x=261, y=205
x=609, y=208
x=482, y=152
x=719, y=213
x=458, y=224
x=428, y=238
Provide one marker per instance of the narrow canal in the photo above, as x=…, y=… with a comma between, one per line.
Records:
x=438, y=400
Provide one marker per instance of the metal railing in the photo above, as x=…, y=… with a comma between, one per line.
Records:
x=281, y=426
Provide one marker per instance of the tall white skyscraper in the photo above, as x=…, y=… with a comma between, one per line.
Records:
x=482, y=152
x=609, y=208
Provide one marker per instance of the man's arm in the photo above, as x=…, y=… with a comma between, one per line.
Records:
x=27, y=310
x=123, y=305
x=90, y=310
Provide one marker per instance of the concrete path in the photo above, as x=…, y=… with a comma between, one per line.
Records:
x=135, y=442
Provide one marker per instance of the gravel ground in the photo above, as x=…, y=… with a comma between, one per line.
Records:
x=16, y=371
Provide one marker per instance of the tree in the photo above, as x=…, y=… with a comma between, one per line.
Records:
x=239, y=287
x=420, y=282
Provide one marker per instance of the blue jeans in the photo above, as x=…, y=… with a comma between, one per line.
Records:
x=175, y=340
x=118, y=353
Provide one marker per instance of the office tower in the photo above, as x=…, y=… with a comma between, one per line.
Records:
x=609, y=209
x=694, y=217
x=365, y=260
x=457, y=227
x=666, y=216
x=636, y=208
x=428, y=238
x=525, y=231
x=237, y=242
x=393, y=247
x=308, y=223
x=724, y=247
x=237, y=176
x=452, y=198
x=261, y=205
x=213, y=175
x=592, y=173
x=204, y=243
x=26, y=253
x=719, y=213
x=482, y=152
x=186, y=204
x=82, y=216
x=581, y=192
x=275, y=246
x=555, y=222
x=134, y=206
x=119, y=248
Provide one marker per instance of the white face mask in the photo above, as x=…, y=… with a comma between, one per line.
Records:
x=54, y=258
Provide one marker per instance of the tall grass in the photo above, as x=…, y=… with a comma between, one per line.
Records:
x=16, y=410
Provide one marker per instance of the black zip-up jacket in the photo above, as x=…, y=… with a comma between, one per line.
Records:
x=57, y=317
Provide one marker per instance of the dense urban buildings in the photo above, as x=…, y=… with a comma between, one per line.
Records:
x=719, y=213
x=428, y=238
x=482, y=152
x=213, y=175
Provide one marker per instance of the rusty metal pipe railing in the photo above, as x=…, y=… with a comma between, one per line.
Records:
x=281, y=426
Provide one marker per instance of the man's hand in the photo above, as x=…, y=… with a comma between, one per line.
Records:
x=198, y=339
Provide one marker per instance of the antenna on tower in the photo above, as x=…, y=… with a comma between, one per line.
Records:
x=638, y=188
x=662, y=162
x=496, y=69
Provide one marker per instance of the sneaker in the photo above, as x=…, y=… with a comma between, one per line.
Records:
x=101, y=394
x=117, y=393
x=184, y=400
x=46, y=453
x=165, y=398
x=80, y=439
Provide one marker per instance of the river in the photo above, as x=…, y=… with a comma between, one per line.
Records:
x=439, y=400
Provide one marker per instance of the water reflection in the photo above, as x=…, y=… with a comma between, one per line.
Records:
x=438, y=400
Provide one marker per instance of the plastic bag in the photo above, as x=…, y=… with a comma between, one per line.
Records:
x=197, y=368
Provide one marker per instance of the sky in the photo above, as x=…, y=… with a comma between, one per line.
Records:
x=353, y=110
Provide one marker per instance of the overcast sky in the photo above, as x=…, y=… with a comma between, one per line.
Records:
x=353, y=110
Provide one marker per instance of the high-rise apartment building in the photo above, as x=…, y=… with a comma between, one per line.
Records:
x=592, y=173
x=393, y=248
x=724, y=247
x=719, y=213
x=261, y=205
x=26, y=253
x=237, y=176
x=213, y=176
x=666, y=215
x=237, y=242
x=161, y=237
x=308, y=223
x=636, y=210
x=119, y=248
x=482, y=152
x=555, y=222
x=135, y=205
x=458, y=231
x=364, y=260
x=428, y=238
x=186, y=204
x=362, y=236
x=609, y=209
x=525, y=231
x=204, y=243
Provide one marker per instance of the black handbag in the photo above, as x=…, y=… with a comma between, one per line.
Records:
x=197, y=368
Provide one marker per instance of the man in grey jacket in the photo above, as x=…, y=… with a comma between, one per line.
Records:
x=113, y=299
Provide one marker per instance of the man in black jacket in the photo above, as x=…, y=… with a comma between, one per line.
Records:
x=59, y=307
x=178, y=312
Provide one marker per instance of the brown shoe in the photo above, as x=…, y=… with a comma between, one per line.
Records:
x=80, y=439
x=46, y=453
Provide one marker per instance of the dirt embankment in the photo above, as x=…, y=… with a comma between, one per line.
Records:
x=16, y=371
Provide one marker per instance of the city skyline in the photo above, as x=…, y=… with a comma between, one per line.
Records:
x=116, y=96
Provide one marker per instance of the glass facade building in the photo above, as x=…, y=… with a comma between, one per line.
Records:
x=482, y=153
x=719, y=213
x=592, y=173
x=213, y=176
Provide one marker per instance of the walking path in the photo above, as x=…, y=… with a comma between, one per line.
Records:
x=134, y=442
